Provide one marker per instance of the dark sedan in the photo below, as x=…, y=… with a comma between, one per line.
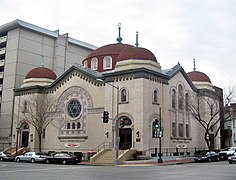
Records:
x=207, y=156
x=63, y=158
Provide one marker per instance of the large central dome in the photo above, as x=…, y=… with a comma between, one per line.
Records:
x=116, y=53
x=137, y=53
x=120, y=56
x=110, y=49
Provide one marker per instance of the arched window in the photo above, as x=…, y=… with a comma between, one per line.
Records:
x=155, y=96
x=78, y=125
x=123, y=95
x=181, y=130
x=73, y=125
x=174, y=132
x=25, y=106
x=86, y=63
x=107, y=62
x=187, y=130
x=173, y=99
x=94, y=64
x=180, y=97
x=126, y=120
x=186, y=101
x=68, y=126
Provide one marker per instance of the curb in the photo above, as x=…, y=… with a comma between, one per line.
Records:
x=151, y=163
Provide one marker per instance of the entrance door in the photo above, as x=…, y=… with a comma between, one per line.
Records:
x=125, y=138
x=25, y=138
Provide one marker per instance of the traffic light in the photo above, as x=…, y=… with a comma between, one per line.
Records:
x=122, y=123
x=105, y=116
x=161, y=133
x=156, y=124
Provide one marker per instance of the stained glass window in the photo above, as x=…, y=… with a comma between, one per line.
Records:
x=74, y=108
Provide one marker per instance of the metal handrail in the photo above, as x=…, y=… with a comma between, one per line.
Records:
x=121, y=148
x=103, y=145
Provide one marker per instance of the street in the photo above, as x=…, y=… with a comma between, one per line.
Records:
x=192, y=171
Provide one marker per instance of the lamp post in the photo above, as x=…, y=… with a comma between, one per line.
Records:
x=116, y=162
x=117, y=137
x=17, y=137
x=160, y=135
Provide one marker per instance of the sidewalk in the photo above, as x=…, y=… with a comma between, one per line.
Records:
x=167, y=160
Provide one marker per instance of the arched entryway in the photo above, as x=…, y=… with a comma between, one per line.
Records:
x=125, y=133
x=24, y=135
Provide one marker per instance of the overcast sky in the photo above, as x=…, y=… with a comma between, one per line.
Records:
x=174, y=30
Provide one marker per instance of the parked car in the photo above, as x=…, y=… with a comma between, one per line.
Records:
x=232, y=159
x=6, y=157
x=63, y=158
x=32, y=157
x=80, y=155
x=206, y=156
x=225, y=153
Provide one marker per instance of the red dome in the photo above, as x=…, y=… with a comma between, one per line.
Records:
x=137, y=53
x=109, y=49
x=41, y=72
x=112, y=50
x=198, y=76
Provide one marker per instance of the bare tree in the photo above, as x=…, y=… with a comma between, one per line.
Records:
x=40, y=112
x=208, y=109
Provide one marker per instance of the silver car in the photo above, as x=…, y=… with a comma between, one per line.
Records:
x=32, y=157
x=232, y=159
x=6, y=157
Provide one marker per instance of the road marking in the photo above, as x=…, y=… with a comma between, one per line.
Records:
x=42, y=169
x=3, y=165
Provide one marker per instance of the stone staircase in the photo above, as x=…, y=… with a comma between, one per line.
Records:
x=107, y=156
x=12, y=150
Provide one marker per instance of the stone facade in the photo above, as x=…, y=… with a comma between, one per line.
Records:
x=145, y=93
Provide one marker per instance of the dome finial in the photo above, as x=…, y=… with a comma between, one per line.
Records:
x=42, y=59
x=194, y=67
x=136, y=44
x=119, y=39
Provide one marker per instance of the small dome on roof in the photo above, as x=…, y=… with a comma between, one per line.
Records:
x=198, y=76
x=41, y=72
x=137, y=53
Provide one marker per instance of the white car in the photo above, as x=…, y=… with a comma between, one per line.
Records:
x=227, y=152
x=32, y=157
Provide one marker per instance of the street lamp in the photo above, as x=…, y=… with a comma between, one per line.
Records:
x=117, y=137
x=17, y=137
x=160, y=135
